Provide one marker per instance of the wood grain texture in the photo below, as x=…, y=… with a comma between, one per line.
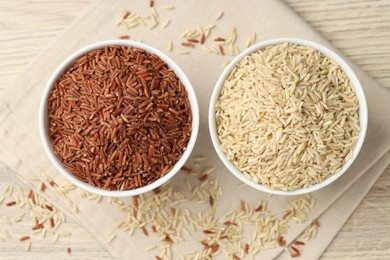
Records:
x=359, y=28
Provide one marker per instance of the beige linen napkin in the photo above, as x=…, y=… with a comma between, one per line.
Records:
x=24, y=153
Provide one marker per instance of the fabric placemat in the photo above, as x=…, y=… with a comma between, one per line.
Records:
x=269, y=19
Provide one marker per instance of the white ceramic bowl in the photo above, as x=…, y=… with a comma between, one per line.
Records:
x=43, y=120
x=363, y=114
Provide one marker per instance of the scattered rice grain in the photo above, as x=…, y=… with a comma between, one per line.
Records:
x=169, y=7
x=28, y=247
x=24, y=238
x=183, y=52
x=150, y=248
x=165, y=24
x=111, y=238
x=219, y=16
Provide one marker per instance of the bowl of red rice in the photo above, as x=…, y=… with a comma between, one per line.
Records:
x=288, y=116
x=118, y=118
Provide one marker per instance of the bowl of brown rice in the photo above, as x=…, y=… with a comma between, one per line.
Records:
x=288, y=116
x=118, y=118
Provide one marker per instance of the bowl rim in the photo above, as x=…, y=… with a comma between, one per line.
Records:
x=43, y=126
x=363, y=113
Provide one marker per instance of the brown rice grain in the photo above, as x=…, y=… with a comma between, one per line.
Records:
x=150, y=248
x=301, y=127
x=154, y=25
x=183, y=52
x=111, y=238
x=169, y=7
x=28, y=247
x=219, y=16
x=165, y=24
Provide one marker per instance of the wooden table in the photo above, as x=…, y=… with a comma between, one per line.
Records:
x=360, y=28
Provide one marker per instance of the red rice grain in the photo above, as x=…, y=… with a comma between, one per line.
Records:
x=295, y=254
x=51, y=220
x=296, y=251
x=246, y=248
x=38, y=226
x=235, y=257
x=221, y=50
x=242, y=205
x=24, y=238
x=193, y=40
x=202, y=38
x=123, y=37
x=219, y=39
x=11, y=203
x=230, y=223
x=43, y=187
x=205, y=244
x=135, y=201
x=187, y=44
x=259, y=208
x=186, y=169
x=281, y=241
x=119, y=118
x=126, y=14
x=168, y=239
x=211, y=200
x=145, y=231
x=154, y=229
x=315, y=222
x=299, y=243
x=69, y=250
x=287, y=214
x=203, y=177
x=214, y=248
